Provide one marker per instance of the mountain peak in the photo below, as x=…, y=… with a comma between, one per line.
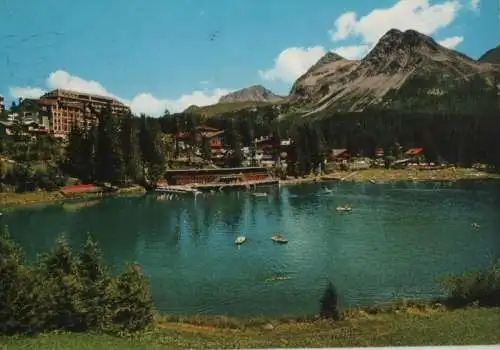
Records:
x=256, y=93
x=491, y=56
x=327, y=58
x=403, y=49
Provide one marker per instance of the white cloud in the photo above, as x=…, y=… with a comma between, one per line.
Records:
x=352, y=52
x=292, y=63
x=474, y=5
x=419, y=15
x=451, y=42
x=141, y=103
x=26, y=92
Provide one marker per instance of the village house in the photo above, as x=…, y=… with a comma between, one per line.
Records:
x=267, y=149
x=415, y=155
x=28, y=128
x=339, y=155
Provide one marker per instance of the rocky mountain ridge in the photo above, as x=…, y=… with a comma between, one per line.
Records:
x=256, y=93
x=399, y=60
x=403, y=70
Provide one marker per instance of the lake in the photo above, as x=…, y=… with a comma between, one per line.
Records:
x=396, y=242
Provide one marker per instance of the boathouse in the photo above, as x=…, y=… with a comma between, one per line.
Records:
x=215, y=176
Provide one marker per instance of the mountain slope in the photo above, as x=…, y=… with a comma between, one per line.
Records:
x=256, y=93
x=491, y=56
x=403, y=68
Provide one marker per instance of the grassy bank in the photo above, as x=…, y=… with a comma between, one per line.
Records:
x=388, y=175
x=413, y=326
x=44, y=197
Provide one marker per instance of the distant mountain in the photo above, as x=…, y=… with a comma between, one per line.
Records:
x=255, y=93
x=491, y=56
x=405, y=70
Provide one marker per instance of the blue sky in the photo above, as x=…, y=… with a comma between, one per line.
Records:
x=156, y=54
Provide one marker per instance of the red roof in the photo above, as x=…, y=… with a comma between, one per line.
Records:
x=414, y=151
x=80, y=188
x=206, y=128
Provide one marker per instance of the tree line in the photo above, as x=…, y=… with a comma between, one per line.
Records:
x=460, y=139
x=119, y=150
x=70, y=292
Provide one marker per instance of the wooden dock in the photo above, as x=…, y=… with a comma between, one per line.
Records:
x=235, y=185
x=198, y=188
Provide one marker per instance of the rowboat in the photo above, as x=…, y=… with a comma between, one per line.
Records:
x=345, y=208
x=259, y=194
x=279, y=238
x=240, y=240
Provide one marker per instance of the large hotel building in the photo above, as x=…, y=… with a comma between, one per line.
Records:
x=65, y=108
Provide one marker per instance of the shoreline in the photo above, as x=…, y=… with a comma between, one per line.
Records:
x=401, y=323
x=10, y=199
x=377, y=176
x=394, y=175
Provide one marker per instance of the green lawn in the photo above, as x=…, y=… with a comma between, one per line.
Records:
x=408, y=328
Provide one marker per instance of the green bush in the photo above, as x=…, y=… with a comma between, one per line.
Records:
x=132, y=307
x=481, y=287
x=70, y=293
x=329, y=303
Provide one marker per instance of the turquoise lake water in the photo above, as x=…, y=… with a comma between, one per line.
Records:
x=396, y=242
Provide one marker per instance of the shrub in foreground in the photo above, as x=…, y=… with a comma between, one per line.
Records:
x=481, y=287
x=70, y=293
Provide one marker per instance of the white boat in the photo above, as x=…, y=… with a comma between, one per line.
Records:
x=259, y=194
x=343, y=209
x=240, y=240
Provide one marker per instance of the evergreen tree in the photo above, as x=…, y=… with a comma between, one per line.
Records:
x=95, y=278
x=329, y=303
x=62, y=298
x=110, y=166
x=133, y=306
x=129, y=145
x=153, y=159
x=11, y=278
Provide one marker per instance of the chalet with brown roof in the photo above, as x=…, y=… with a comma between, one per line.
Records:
x=339, y=154
x=214, y=136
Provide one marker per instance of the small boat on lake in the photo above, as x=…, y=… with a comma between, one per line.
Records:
x=259, y=194
x=475, y=225
x=345, y=208
x=278, y=238
x=279, y=278
x=240, y=240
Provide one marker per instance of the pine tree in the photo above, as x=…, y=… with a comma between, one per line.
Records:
x=11, y=271
x=129, y=145
x=109, y=155
x=96, y=281
x=62, y=297
x=132, y=306
x=329, y=303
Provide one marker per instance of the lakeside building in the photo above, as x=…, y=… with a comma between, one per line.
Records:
x=2, y=103
x=64, y=108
